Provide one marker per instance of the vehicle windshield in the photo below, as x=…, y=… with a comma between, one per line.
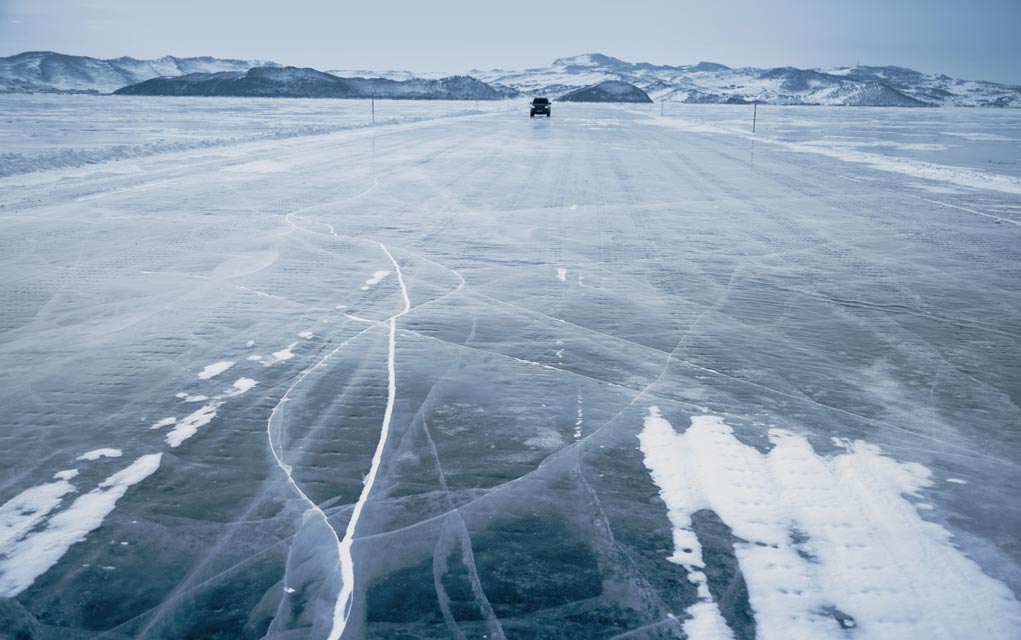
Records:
x=540, y=101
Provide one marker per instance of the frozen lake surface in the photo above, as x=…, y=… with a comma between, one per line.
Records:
x=604, y=375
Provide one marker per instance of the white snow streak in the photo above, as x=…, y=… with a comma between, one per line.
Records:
x=190, y=424
x=821, y=533
x=165, y=422
x=960, y=176
x=28, y=555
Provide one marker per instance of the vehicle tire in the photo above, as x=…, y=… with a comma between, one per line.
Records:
x=531, y=115
x=548, y=115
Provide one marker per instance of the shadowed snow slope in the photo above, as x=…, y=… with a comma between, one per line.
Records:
x=43, y=71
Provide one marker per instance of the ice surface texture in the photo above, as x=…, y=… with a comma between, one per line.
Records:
x=606, y=375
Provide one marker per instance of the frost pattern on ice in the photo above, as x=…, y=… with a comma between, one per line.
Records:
x=869, y=553
x=27, y=553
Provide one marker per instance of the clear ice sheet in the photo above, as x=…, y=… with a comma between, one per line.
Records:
x=564, y=277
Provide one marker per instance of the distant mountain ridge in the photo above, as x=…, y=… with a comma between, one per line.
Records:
x=704, y=82
x=710, y=82
x=46, y=71
x=294, y=82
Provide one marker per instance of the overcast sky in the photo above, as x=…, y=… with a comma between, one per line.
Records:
x=974, y=39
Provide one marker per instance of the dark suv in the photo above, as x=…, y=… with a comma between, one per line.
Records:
x=541, y=106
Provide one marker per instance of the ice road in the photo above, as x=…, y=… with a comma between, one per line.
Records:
x=607, y=375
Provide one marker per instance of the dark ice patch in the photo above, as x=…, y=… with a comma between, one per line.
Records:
x=800, y=540
x=843, y=619
x=531, y=563
x=726, y=582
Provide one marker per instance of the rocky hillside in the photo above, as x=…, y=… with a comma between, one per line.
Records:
x=292, y=82
x=608, y=91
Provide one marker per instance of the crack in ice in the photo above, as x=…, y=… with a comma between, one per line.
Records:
x=342, y=609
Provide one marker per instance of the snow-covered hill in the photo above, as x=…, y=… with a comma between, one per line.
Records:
x=705, y=82
x=709, y=82
x=46, y=71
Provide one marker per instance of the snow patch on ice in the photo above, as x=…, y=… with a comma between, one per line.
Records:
x=190, y=398
x=562, y=274
x=376, y=278
x=956, y=481
x=23, y=512
x=215, y=369
x=96, y=454
x=306, y=334
x=165, y=422
x=66, y=474
x=241, y=385
x=27, y=554
x=190, y=424
x=870, y=554
x=283, y=354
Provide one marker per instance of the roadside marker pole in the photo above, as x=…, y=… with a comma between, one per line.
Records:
x=373, y=109
x=661, y=108
x=755, y=114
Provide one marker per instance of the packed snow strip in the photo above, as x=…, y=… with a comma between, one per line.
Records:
x=30, y=551
x=65, y=158
x=959, y=176
x=215, y=369
x=915, y=168
x=821, y=534
x=562, y=274
x=96, y=454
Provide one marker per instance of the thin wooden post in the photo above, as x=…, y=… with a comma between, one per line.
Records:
x=373, y=109
x=755, y=114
